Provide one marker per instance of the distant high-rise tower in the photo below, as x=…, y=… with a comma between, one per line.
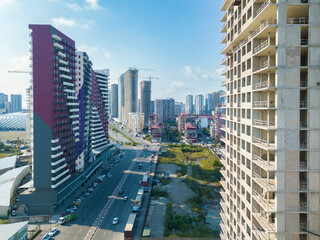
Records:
x=164, y=109
x=130, y=93
x=145, y=100
x=199, y=104
x=16, y=103
x=114, y=100
x=271, y=169
x=4, y=103
x=121, y=98
x=209, y=103
x=189, y=104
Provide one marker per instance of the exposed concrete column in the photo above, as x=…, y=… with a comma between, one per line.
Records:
x=269, y=38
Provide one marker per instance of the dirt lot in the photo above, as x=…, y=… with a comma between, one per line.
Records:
x=12, y=135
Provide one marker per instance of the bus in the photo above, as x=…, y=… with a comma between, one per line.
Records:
x=130, y=226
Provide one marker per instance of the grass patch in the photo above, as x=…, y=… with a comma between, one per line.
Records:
x=185, y=226
x=164, y=181
x=159, y=192
x=4, y=221
x=10, y=150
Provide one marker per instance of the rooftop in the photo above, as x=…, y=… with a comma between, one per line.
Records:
x=190, y=126
x=8, y=162
x=8, y=230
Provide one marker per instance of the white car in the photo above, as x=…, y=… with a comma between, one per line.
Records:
x=53, y=232
x=45, y=237
x=115, y=220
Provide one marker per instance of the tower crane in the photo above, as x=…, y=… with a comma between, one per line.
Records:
x=19, y=71
x=149, y=78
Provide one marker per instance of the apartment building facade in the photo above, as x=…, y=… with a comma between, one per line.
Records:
x=199, y=103
x=145, y=100
x=271, y=167
x=189, y=104
x=114, y=100
x=65, y=92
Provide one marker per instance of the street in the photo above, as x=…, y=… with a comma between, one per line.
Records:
x=96, y=212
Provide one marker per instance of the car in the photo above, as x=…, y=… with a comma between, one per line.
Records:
x=75, y=203
x=45, y=237
x=17, y=199
x=121, y=191
x=15, y=207
x=115, y=220
x=74, y=207
x=95, y=184
x=13, y=213
x=125, y=198
x=146, y=189
x=79, y=200
x=70, y=210
x=109, y=176
x=86, y=193
x=53, y=232
x=90, y=189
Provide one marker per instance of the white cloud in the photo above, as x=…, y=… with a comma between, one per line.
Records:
x=73, y=6
x=6, y=2
x=20, y=63
x=107, y=54
x=58, y=22
x=200, y=74
x=93, y=4
x=175, y=84
x=88, y=49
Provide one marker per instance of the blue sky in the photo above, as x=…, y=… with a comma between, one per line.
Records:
x=180, y=39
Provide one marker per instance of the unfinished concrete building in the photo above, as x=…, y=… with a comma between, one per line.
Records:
x=271, y=178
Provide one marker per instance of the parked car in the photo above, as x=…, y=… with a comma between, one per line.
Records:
x=45, y=237
x=125, y=198
x=53, y=232
x=115, y=220
x=86, y=193
x=13, y=213
x=15, y=207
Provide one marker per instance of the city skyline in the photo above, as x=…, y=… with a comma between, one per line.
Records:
x=194, y=64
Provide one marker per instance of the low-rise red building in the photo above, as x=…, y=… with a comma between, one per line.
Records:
x=190, y=133
x=157, y=132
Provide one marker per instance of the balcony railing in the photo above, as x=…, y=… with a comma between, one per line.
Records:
x=268, y=206
x=304, y=41
x=253, y=34
x=263, y=6
x=261, y=104
x=262, y=142
x=268, y=185
x=301, y=20
x=303, y=185
x=303, y=104
x=260, y=235
x=263, y=123
x=263, y=220
x=261, y=85
x=263, y=163
x=261, y=46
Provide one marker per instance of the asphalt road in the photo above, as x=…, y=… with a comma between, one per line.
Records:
x=96, y=212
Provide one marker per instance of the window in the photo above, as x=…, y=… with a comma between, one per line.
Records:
x=249, y=97
x=249, y=47
x=249, y=79
x=249, y=64
x=248, y=147
x=248, y=113
x=248, y=130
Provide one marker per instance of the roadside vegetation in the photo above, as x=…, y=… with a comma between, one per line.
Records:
x=204, y=182
x=159, y=192
x=6, y=151
x=132, y=142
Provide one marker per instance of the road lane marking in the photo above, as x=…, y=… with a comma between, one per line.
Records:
x=106, y=208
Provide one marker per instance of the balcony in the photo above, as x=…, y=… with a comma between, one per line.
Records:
x=262, y=85
x=263, y=6
x=268, y=205
x=304, y=42
x=57, y=45
x=262, y=218
x=61, y=54
x=224, y=196
x=268, y=185
x=262, y=143
x=300, y=20
x=263, y=104
x=263, y=123
x=268, y=166
x=224, y=183
x=56, y=37
x=303, y=185
x=265, y=67
x=260, y=234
